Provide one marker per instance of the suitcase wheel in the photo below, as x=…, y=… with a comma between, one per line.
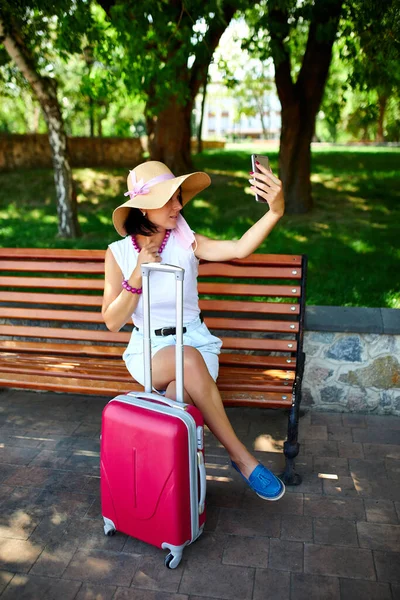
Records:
x=171, y=561
x=110, y=532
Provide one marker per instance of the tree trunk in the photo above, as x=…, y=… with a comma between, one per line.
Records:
x=45, y=90
x=380, y=138
x=169, y=136
x=200, y=129
x=295, y=159
x=300, y=101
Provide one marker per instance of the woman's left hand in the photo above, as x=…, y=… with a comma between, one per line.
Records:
x=270, y=188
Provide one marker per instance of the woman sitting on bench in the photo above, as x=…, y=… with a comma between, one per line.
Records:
x=153, y=231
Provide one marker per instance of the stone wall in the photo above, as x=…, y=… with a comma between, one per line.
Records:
x=352, y=372
x=32, y=151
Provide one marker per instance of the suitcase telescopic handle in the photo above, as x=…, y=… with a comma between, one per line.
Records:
x=203, y=481
x=159, y=399
x=179, y=273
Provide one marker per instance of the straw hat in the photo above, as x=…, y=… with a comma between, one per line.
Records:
x=151, y=185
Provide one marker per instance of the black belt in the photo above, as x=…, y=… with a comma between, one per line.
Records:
x=169, y=330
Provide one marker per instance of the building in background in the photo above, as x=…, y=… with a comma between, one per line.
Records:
x=228, y=115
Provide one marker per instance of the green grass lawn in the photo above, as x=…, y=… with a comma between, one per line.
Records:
x=351, y=237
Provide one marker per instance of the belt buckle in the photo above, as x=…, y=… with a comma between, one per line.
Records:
x=163, y=329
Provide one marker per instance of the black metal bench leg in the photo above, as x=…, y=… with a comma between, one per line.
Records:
x=291, y=448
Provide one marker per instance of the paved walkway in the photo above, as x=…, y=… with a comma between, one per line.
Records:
x=337, y=536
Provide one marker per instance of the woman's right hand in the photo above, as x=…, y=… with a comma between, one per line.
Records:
x=148, y=254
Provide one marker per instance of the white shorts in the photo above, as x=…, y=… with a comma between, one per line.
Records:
x=197, y=335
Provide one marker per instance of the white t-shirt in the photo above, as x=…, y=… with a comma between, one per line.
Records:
x=162, y=285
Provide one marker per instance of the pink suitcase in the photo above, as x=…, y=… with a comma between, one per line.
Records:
x=152, y=472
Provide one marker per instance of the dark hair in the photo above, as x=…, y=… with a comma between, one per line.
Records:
x=136, y=224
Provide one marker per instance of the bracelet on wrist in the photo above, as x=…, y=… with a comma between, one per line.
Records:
x=131, y=289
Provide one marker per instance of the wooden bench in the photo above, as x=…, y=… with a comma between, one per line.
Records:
x=52, y=336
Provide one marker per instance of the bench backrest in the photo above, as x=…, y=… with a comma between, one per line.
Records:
x=255, y=304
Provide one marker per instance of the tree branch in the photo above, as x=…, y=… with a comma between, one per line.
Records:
x=279, y=29
x=208, y=45
x=318, y=55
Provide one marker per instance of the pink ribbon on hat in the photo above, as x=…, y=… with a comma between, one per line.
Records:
x=141, y=187
x=182, y=232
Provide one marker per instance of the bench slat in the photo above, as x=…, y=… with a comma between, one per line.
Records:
x=76, y=316
x=226, y=306
x=123, y=337
x=212, y=269
x=76, y=351
x=53, y=283
x=110, y=389
x=239, y=289
x=43, y=298
x=49, y=266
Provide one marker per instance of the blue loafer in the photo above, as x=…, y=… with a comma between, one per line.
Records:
x=263, y=482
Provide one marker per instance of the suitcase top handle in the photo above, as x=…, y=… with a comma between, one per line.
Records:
x=179, y=272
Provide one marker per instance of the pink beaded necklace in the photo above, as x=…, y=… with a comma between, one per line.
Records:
x=161, y=248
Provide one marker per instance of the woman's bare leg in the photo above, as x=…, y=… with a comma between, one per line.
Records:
x=204, y=393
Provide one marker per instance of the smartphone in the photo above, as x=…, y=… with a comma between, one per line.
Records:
x=263, y=160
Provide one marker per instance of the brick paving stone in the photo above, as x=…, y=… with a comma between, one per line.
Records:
x=352, y=563
x=351, y=589
x=367, y=468
x=378, y=488
x=386, y=422
x=246, y=552
x=290, y=504
x=381, y=451
x=135, y=594
x=5, y=491
x=88, y=534
x=30, y=587
x=381, y=511
x=379, y=536
x=343, y=486
x=393, y=468
x=66, y=503
x=33, y=477
x=219, y=581
x=212, y=518
x=51, y=459
x=320, y=448
x=322, y=418
x=102, y=567
x=311, y=483
x=17, y=456
x=397, y=507
x=5, y=578
x=17, y=524
x=285, y=555
x=90, y=591
x=313, y=432
x=350, y=450
x=395, y=591
x=246, y=522
x=334, y=466
x=335, y=532
x=54, y=559
x=297, y=528
x=350, y=420
x=333, y=507
x=18, y=555
x=376, y=436
x=338, y=433
x=387, y=566
x=83, y=463
x=133, y=546
x=151, y=574
x=271, y=585
x=6, y=471
x=314, y=587
x=209, y=547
